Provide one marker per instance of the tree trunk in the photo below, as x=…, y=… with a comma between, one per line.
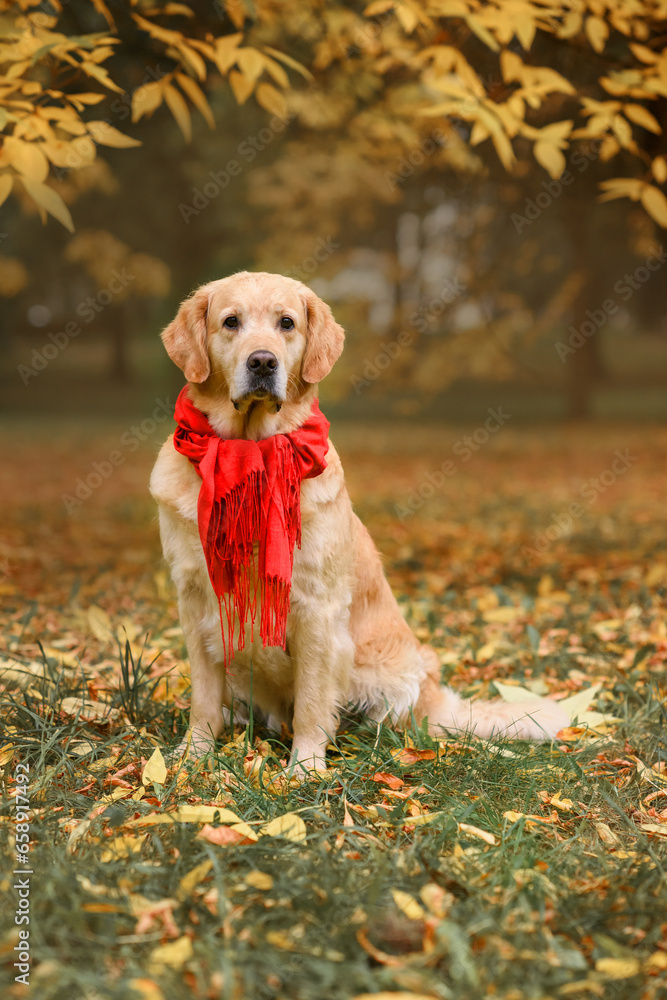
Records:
x=585, y=368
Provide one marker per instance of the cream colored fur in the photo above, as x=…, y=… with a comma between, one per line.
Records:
x=348, y=643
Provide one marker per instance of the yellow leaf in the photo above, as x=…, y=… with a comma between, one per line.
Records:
x=27, y=158
x=99, y=623
x=292, y=63
x=121, y=847
x=511, y=66
x=474, y=831
x=271, y=99
x=196, y=95
x=106, y=135
x=640, y=115
x=192, y=60
x=407, y=17
x=512, y=817
x=242, y=88
x=504, y=614
x=225, y=51
x=179, y=110
x=563, y=805
x=88, y=710
x=485, y=652
x=549, y=157
x=173, y=955
x=193, y=878
x=408, y=905
x=606, y=835
x=6, y=183
x=658, y=960
x=146, y=988
x=660, y=829
x=155, y=769
x=279, y=939
x=378, y=7
x=155, y=31
x=100, y=74
x=618, y=968
x=146, y=99
x=6, y=753
x=655, y=204
x=259, y=880
x=205, y=814
x=289, y=825
x=251, y=63
x=87, y=98
x=597, y=32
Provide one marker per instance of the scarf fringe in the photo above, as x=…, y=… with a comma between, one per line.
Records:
x=251, y=520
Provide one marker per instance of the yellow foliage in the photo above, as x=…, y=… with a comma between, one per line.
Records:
x=396, y=63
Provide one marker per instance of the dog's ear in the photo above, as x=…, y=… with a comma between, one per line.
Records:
x=324, y=343
x=185, y=337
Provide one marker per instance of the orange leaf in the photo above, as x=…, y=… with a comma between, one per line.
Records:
x=383, y=778
x=223, y=836
x=410, y=755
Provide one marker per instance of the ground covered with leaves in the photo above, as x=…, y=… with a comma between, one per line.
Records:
x=412, y=867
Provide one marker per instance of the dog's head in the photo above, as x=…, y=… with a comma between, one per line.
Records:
x=258, y=337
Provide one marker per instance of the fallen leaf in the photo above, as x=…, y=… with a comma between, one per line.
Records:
x=564, y=805
x=121, y=847
x=173, y=955
x=618, y=968
x=474, y=831
x=146, y=988
x=606, y=835
x=99, y=623
x=226, y=836
x=660, y=829
x=193, y=878
x=155, y=769
x=408, y=905
x=391, y=780
x=410, y=755
x=289, y=825
x=259, y=880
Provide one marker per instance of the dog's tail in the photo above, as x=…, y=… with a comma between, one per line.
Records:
x=537, y=719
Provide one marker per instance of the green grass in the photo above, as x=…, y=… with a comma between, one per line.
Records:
x=528, y=916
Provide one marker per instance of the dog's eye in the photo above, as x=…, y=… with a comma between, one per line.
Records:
x=286, y=323
x=231, y=322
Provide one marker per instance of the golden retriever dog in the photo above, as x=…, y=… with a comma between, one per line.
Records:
x=347, y=643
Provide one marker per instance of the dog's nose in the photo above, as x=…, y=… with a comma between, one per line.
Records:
x=262, y=363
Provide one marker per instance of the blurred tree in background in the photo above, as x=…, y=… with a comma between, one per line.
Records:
x=434, y=168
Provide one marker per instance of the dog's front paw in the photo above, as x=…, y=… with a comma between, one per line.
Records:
x=195, y=746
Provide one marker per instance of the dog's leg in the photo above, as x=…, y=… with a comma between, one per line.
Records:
x=207, y=679
x=323, y=654
x=182, y=549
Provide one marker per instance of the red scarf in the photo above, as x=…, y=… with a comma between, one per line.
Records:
x=251, y=492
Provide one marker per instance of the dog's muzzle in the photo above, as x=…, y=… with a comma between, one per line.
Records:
x=262, y=368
